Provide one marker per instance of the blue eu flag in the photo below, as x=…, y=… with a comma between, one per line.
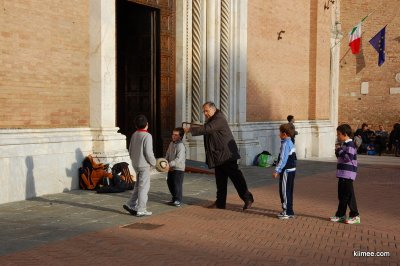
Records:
x=378, y=42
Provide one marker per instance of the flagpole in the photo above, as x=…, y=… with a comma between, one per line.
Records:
x=344, y=55
x=367, y=16
x=362, y=20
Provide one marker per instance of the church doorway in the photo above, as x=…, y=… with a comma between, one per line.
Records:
x=138, y=69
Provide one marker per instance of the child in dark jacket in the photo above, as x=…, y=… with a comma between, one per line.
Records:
x=346, y=172
x=286, y=170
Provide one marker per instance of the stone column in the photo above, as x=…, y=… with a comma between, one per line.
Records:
x=238, y=71
x=212, y=51
x=212, y=56
x=183, y=60
x=224, y=57
x=336, y=37
x=196, y=60
x=108, y=145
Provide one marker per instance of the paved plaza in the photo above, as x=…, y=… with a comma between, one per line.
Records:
x=85, y=228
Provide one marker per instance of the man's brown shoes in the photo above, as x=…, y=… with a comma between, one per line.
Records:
x=214, y=206
x=247, y=204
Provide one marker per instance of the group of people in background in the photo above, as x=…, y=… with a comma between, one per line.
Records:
x=222, y=154
x=375, y=142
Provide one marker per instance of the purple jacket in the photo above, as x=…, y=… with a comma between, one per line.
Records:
x=347, y=160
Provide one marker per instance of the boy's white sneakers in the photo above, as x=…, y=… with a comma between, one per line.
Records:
x=144, y=213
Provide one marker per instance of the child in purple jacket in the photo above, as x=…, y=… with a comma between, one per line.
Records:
x=346, y=153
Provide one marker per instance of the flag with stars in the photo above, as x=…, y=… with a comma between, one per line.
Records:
x=378, y=42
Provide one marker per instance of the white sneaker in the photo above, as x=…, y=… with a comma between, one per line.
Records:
x=337, y=219
x=353, y=220
x=177, y=203
x=283, y=215
x=144, y=213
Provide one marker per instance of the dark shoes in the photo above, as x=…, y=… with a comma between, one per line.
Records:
x=215, y=206
x=248, y=203
x=129, y=209
x=175, y=203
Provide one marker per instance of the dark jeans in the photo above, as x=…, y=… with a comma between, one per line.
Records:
x=222, y=172
x=286, y=186
x=175, y=184
x=346, y=197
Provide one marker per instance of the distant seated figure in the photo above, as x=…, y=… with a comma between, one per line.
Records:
x=392, y=139
x=290, y=119
x=381, y=132
x=366, y=135
x=381, y=139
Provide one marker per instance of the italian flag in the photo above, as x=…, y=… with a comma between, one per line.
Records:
x=355, y=39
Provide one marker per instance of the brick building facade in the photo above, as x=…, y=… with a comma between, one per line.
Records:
x=73, y=74
x=44, y=75
x=379, y=102
x=289, y=75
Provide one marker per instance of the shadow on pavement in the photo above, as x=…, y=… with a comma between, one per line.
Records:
x=76, y=204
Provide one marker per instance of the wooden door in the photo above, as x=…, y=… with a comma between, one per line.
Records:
x=138, y=69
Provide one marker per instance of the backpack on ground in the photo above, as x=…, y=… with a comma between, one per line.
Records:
x=122, y=170
x=91, y=174
x=122, y=180
x=116, y=186
x=264, y=159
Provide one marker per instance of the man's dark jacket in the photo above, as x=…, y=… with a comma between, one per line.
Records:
x=219, y=143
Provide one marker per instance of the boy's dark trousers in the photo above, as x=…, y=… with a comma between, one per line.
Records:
x=175, y=184
x=222, y=172
x=346, y=197
x=286, y=185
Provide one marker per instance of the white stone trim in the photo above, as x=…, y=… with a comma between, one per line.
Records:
x=238, y=99
x=107, y=143
x=336, y=37
x=395, y=90
x=315, y=139
x=182, y=93
x=397, y=77
x=35, y=162
x=102, y=63
x=364, y=88
x=212, y=20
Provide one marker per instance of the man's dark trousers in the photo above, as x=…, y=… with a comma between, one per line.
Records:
x=222, y=172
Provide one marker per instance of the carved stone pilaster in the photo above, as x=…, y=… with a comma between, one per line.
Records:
x=196, y=56
x=224, y=57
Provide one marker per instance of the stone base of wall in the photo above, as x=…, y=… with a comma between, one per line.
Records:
x=35, y=162
x=315, y=139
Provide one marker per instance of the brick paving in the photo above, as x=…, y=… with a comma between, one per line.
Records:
x=83, y=228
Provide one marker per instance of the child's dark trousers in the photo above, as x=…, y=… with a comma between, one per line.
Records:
x=286, y=185
x=346, y=198
x=175, y=184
